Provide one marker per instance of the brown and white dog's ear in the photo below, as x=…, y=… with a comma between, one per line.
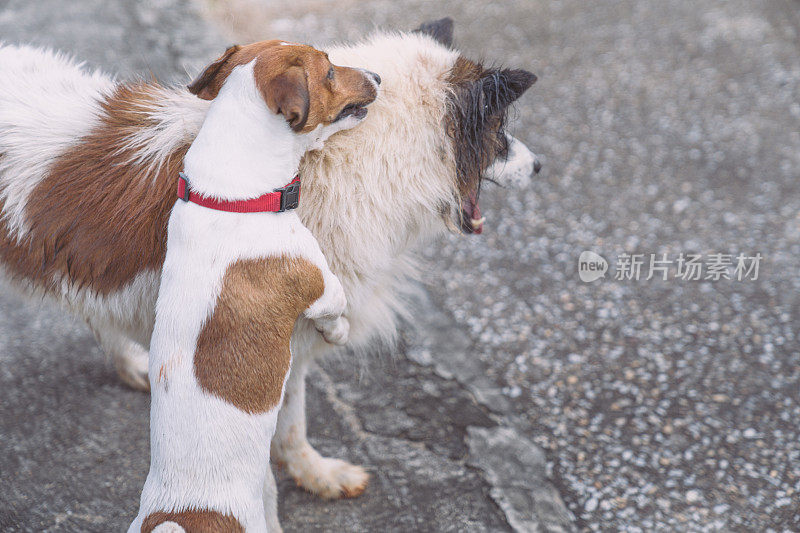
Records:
x=208, y=83
x=287, y=94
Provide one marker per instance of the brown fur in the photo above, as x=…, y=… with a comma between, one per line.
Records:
x=463, y=74
x=464, y=71
x=293, y=80
x=194, y=521
x=242, y=353
x=95, y=219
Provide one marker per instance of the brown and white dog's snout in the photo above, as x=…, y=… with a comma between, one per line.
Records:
x=375, y=77
x=297, y=81
x=359, y=87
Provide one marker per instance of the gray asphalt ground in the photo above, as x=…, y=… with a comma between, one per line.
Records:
x=665, y=127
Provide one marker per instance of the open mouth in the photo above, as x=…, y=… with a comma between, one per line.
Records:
x=358, y=111
x=471, y=219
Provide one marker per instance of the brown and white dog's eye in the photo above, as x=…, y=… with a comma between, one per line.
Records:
x=330, y=73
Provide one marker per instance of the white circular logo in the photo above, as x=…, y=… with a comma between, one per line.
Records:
x=591, y=266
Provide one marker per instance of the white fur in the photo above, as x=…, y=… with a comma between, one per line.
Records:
x=515, y=170
x=168, y=527
x=205, y=452
x=178, y=114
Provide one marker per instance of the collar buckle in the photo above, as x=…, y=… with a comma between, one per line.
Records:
x=290, y=196
x=183, y=187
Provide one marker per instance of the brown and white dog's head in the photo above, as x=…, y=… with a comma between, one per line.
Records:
x=298, y=82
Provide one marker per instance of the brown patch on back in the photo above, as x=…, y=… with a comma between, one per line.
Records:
x=242, y=353
x=293, y=79
x=194, y=521
x=96, y=218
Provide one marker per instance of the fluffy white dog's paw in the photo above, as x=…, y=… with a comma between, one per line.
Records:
x=132, y=368
x=324, y=476
x=336, y=479
x=338, y=332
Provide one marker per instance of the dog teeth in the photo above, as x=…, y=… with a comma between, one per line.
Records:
x=478, y=222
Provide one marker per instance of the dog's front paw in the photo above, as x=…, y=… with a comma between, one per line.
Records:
x=338, y=332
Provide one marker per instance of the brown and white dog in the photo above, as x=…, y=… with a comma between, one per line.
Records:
x=87, y=170
x=240, y=269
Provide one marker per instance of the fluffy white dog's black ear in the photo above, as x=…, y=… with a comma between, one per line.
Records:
x=501, y=88
x=441, y=30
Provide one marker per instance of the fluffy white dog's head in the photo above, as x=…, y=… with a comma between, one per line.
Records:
x=414, y=167
x=433, y=135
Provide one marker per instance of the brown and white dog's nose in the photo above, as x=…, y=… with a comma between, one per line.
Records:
x=372, y=75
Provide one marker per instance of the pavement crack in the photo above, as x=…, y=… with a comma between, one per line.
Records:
x=513, y=466
x=342, y=408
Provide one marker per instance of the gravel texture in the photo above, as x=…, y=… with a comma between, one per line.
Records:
x=666, y=127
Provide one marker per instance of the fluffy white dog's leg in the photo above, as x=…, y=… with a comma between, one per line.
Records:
x=130, y=357
x=328, y=478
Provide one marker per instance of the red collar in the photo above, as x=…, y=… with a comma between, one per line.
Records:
x=278, y=201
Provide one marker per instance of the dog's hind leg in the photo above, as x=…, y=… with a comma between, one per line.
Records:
x=130, y=357
x=325, y=477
